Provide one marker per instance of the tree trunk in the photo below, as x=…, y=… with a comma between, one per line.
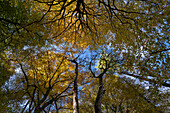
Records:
x=37, y=110
x=75, y=92
x=99, y=96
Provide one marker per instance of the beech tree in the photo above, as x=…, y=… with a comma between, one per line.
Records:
x=124, y=95
x=56, y=53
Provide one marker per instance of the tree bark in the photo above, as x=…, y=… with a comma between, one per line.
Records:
x=75, y=91
x=99, y=96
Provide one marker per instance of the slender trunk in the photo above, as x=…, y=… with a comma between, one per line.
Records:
x=75, y=92
x=37, y=110
x=99, y=96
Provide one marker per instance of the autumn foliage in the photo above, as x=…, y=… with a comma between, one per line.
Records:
x=84, y=56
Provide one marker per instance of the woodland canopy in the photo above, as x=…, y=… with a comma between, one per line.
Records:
x=84, y=56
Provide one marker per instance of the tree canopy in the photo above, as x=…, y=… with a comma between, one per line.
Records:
x=84, y=56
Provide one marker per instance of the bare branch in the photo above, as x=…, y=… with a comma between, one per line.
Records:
x=142, y=78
